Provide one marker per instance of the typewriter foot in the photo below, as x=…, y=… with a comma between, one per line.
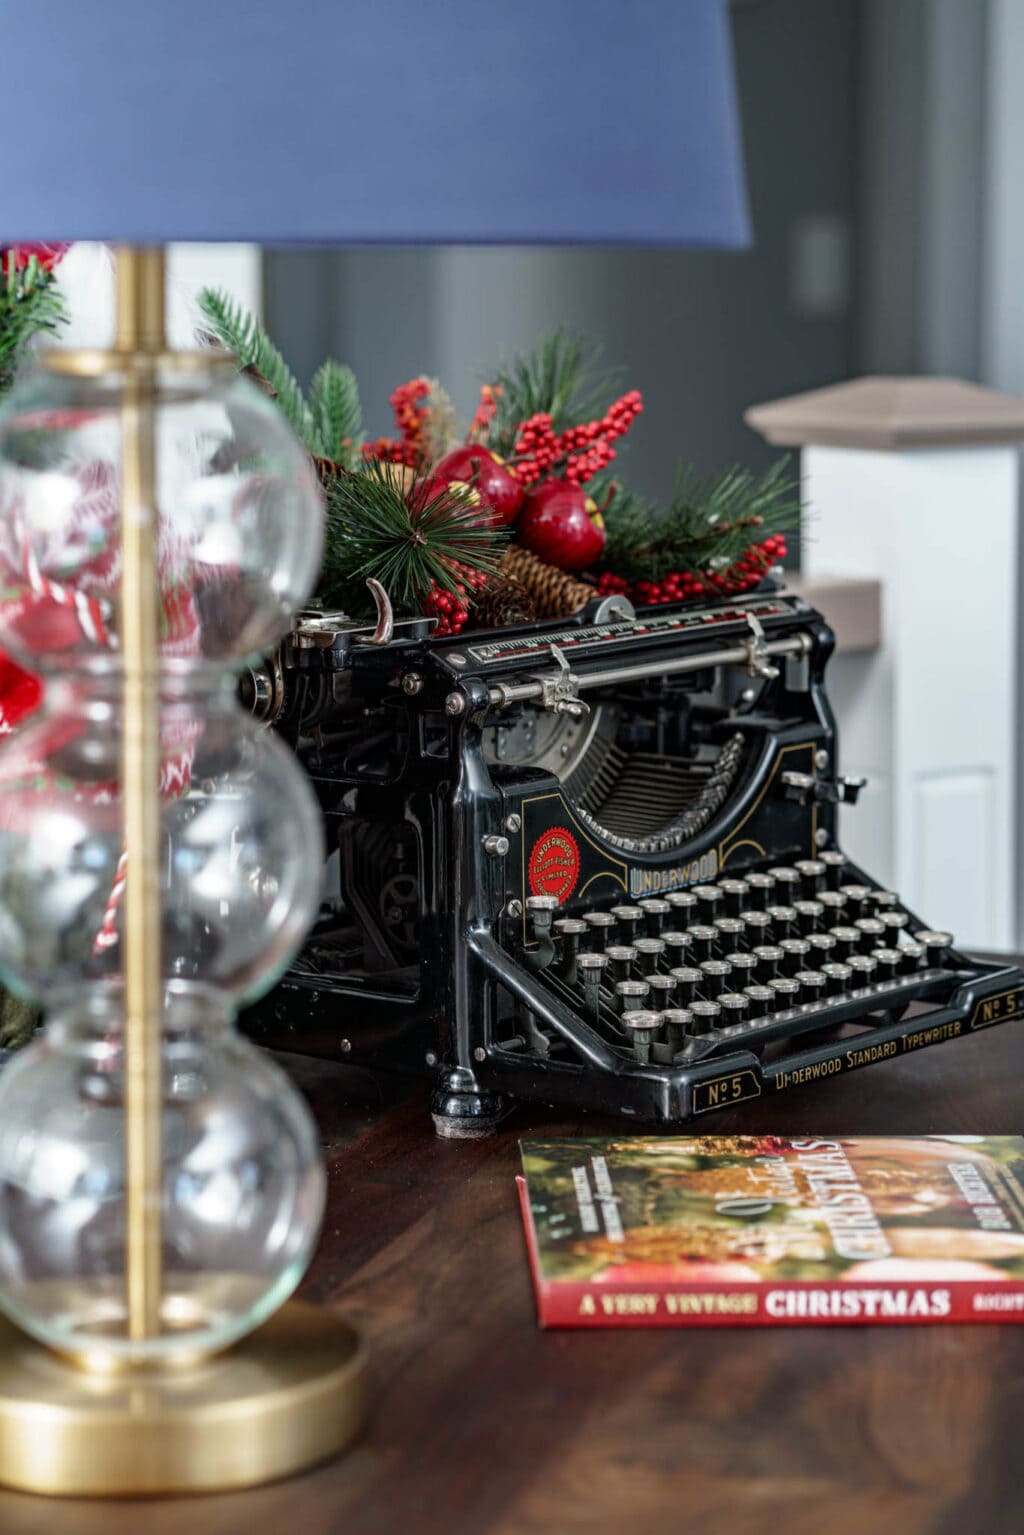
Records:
x=460, y=1111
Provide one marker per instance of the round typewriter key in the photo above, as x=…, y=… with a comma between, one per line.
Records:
x=663, y=990
x=744, y=965
x=833, y=901
x=810, y=916
x=542, y=903
x=838, y=977
x=677, y=946
x=735, y=892
x=757, y=925
x=682, y=901
x=592, y=964
x=735, y=1008
x=648, y=952
x=762, y=1000
x=911, y=954
x=631, y=995
x=687, y=979
x=812, y=873
x=621, y=959
x=787, y=992
x=823, y=946
x=936, y=945
x=865, y=969
x=677, y=1021
x=629, y=920
x=858, y=898
x=570, y=927
x=847, y=941
x=795, y=952
x=715, y=973
x=889, y=962
x=894, y=922
x=705, y=1017
x=835, y=864
x=730, y=932
x=710, y=900
x=783, y=922
x=702, y=940
x=655, y=911
x=602, y=928
x=787, y=882
x=642, y=1026
x=885, y=900
x=812, y=985
x=769, y=958
x=760, y=888
x=872, y=933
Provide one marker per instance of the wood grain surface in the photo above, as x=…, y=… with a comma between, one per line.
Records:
x=482, y=1424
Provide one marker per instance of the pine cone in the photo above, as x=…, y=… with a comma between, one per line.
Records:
x=554, y=593
x=503, y=601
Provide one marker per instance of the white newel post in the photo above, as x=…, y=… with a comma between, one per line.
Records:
x=915, y=482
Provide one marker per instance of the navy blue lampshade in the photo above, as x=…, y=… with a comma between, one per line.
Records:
x=592, y=121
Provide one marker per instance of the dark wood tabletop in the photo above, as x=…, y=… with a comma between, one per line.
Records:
x=480, y=1423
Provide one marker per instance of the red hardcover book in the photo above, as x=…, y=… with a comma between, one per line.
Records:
x=713, y=1231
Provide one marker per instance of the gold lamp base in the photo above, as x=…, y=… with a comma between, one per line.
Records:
x=288, y=1396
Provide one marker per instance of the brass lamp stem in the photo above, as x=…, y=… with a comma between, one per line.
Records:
x=140, y=335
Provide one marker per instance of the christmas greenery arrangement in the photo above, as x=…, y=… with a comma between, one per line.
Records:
x=518, y=515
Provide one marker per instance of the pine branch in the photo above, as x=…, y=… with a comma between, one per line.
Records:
x=30, y=305
x=410, y=546
x=238, y=330
x=337, y=413
x=561, y=377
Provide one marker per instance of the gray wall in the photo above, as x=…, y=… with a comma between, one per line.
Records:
x=704, y=335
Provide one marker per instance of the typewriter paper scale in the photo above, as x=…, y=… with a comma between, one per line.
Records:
x=770, y=1230
x=594, y=862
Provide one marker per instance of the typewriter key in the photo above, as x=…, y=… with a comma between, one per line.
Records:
x=744, y=965
x=835, y=864
x=711, y=900
x=858, y=898
x=762, y=1000
x=705, y=1017
x=702, y=940
x=648, y=952
x=735, y=1008
x=571, y=931
x=838, y=977
x=715, y=973
x=889, y=962
x=630, y=922
x=759, y=891
x=590, y=968
x=885, y=900
x=847, y=941
x=735, y=892
x=677, y=1021
x=812, y=985
x=911, y=954
x=810, y=917
x=865, y=969
x=894, y=922
x=621, y=959
x=795, y=952
x=592, y=964
x=872, y=933
x=787, y=992
x=769, y=958
x=823, y=946
x=683, y=901
x=655, y=911
x=663, y=990
x=787, y=882
x=783, y=922
x=687, y=979
x=602, y=928
x=833, y=901
x=677, y=946
x=541, y=909
x=641, y=1025
x=757, y=925
x=812, y=873
x=730, y=932
x=631, y=995
x=936, y=946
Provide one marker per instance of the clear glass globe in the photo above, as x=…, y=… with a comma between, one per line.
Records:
x=242, y=1188
x=240, y=519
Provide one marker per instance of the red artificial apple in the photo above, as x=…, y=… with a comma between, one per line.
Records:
x=561, y=524
x=494, y=484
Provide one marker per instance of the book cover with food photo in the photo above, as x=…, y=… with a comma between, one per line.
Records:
x=770, y=1230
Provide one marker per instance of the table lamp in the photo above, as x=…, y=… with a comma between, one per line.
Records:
x=160, y=1183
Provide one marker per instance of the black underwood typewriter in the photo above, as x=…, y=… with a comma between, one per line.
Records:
x=594, y=863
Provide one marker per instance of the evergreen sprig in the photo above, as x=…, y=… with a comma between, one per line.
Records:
x=708, y=525
x=30, y=304
x=240, y=331
x=562, y=377
x=411, y=541
x=337, y=413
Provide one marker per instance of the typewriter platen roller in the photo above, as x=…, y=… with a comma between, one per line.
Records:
x=595, y=863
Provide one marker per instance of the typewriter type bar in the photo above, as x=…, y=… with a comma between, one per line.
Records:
x=594, y=863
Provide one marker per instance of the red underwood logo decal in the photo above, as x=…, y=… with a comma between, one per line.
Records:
x=554, y=864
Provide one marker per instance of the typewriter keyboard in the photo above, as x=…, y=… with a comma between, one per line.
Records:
x=784, y=949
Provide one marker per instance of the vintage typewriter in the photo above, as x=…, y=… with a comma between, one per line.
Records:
x=594, y=863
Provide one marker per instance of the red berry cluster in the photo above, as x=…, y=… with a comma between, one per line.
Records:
x=685, y=585
x=451, y=608
x=578, y=453
x=410, y=418
x=484, y=413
